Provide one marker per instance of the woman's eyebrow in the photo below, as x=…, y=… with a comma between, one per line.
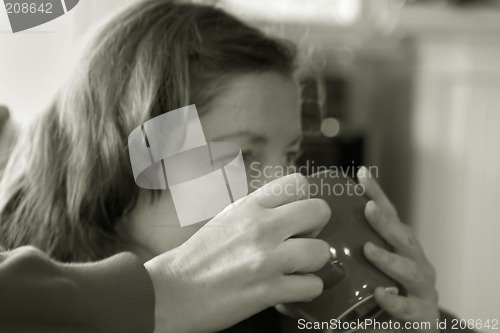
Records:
x=252, y=136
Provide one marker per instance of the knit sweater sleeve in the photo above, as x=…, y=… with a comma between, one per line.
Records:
x=38, y=294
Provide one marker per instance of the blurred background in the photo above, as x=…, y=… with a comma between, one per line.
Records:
x=411, y=87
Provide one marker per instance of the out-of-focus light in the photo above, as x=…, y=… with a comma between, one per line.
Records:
x=347, y=251
x=346, y=11
x=330, y=127
x=340, y=12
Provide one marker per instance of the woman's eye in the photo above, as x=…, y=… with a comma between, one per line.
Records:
x=293, y=156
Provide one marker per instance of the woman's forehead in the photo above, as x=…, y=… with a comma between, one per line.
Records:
x=255, y=105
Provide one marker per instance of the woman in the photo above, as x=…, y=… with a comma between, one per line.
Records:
x=69, y=188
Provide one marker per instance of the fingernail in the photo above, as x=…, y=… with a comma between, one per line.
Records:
x=361, y=172
x=371, y=248
x=371, y=205
x=392, y=290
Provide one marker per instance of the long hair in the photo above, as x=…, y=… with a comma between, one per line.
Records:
x=69, y=177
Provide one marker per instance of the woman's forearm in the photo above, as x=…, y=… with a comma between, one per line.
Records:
x=38, y=294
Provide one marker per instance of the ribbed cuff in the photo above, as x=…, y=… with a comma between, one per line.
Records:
x=117, y=295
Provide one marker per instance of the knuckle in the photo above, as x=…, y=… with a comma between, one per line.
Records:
x=269, y=296
x=261, y=262
x=296, y=179
x=257, y=235
x=403, y=236
x=396, y=307
x=429, y=279
x=382, y=218
x=415, y=274
x=389, y=259
x=246, y=200
x=249, y=200
x=411, y=238
x=408, y=312
x=257, y=229
x=404, y=310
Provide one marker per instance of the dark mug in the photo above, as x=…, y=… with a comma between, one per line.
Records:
x=349, y=278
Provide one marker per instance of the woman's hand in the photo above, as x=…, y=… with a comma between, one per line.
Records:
x=407, y=265
x=242, y=260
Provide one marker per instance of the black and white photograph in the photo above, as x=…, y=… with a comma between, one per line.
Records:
x=249, y=166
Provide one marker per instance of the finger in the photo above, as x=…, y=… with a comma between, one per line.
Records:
x=402, y=269
x=281, y=191
x=301, y=255
x=302, y=217
x=298, y=288
x=400, y=307
x=311, y=234
x=399, y=235
x=287, y=311
x=373, y=190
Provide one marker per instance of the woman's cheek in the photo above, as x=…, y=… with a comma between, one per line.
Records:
x=152, y=227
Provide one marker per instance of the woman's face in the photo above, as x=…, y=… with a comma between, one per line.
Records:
x=258, y=112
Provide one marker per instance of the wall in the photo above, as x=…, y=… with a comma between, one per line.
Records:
x=35, y=62
x=32, y=64
x=456, y=139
